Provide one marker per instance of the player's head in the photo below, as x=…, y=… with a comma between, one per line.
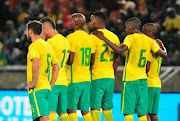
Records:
x=133, y=25
x=48, y=27
x=77, y=21
x=149, y=29
x=33, y=28
x=98, y=20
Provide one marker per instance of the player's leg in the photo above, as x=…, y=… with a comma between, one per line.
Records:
x=153, y=102
x=73, y=94
x=128, y=99
x=96, y=94
x=62, y=104
x=53, y=101
x=142, y=102
x=84, y=99
x=107, y=101
x=39, y=105
x=147, y=117
x=44, y=118
x=153, y=117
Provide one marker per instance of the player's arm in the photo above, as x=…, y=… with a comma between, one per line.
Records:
x=116, y=62
x=116, y=48
x=55, y=72
x=35, y=73
x=92, y=59
x=162, y=51
x=148, y=66
x=71, y=58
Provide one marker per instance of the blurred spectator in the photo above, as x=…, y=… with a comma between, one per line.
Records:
x=25, y=7
x=16, y=13
x=172, y=23
x=55, y=15
x=173, y=55
x=10, y=30
x=22, y=27
x=13, y=54
x=2, y=55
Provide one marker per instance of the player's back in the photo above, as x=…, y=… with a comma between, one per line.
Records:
x=153, y=74
x=42, y=50
x=104, y=56
x=139, y=47
x=61, y=48
x=81, y=45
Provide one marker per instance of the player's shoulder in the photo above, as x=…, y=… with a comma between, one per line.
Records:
x=70, y=35
x=35, y=44
x=106, y=31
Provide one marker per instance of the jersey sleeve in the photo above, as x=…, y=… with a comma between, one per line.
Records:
x=34, y=52
x=94, y=44
x=71, y=42
x=154, y=46
x=128, y=41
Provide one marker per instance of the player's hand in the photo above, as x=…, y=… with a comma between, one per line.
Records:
x=99, y=34
x=31, y=85
x=160, y=43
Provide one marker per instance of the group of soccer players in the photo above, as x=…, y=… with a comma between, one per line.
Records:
x=76, y=72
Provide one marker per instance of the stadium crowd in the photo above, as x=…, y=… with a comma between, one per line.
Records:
x=14, y=14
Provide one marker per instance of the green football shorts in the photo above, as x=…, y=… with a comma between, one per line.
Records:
x=101, y=95
x=134, y=97
x=78, y=96
x=39, y=104
x=57, y=99
x=153, y=99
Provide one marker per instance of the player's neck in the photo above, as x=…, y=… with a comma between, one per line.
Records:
x=53, y=33
x=35, y=37
x=101, y=27
x=78, y=29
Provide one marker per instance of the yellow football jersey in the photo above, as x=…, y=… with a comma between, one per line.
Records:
x=104, y=56
x=139, y=47
x=42, y=50
x=153, y=74
x=61, y=48
x=82, y=45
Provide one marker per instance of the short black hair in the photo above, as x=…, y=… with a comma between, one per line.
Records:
x=47, y=19
x=102, y=16
x=36, y=26
x=134, y=21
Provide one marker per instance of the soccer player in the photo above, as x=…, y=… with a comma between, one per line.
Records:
x=153, y=68
x=39, y=59
x=134, y=94
x=57, y=98
x=106, y=60
x=78, y=70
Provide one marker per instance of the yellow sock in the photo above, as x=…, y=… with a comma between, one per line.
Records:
x=49, y=120
x=143, y=118
x=129, y=118
x=95, y=114
x=87, y=117
x=53, y=116
x=73, y=117
x=64, y=117
x=108, y=115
